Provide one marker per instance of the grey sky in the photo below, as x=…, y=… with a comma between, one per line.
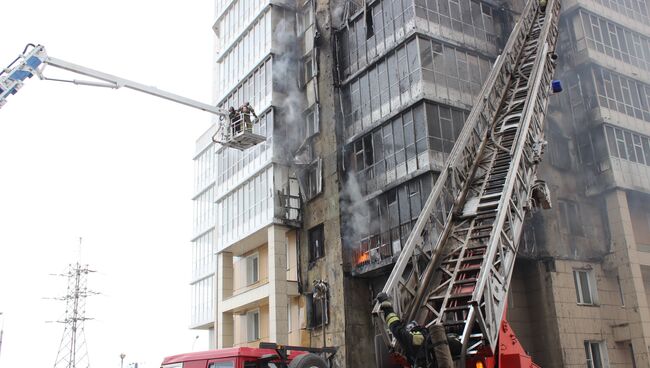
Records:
x=111, y=166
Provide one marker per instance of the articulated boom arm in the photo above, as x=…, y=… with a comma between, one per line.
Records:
x=456, y=265
x=34, y=59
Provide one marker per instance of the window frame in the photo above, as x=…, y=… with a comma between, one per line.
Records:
x=250, y=314
x=603, y=361
x=255, y=278
x=313, y=304
x=591, y=287
x=318, y=252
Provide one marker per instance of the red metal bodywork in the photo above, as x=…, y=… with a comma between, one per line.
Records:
x=238, y=356
x=510, y=353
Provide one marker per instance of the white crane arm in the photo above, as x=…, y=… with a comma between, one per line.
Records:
x=35, y=59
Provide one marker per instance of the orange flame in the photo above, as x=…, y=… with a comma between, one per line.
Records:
x=363, y=258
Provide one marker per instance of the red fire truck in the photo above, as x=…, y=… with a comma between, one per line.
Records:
x=268, y=355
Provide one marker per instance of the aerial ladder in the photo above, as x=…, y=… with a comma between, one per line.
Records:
x=455, y=268
x=235, y=127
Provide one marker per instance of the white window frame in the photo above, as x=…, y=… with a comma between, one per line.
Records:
x=252, y=333
x=289, y=327
x=602, y=354
x=305, y=17
x=591, y=287
x=252, y=273
x=286, y=247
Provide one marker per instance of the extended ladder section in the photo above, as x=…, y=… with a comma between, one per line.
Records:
x=456, y=265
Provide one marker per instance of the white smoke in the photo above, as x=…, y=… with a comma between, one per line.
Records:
x=286, y=73
x=356, y=216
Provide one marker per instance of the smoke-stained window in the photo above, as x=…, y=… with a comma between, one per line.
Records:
x=570, y=218
x=401, y=146
x=448, y=73
x=452, y=73
x=317, y=311
x=316, y=243
x=611, y=39
x=633, y=9
x=305, y=17
x=558, y=149
x=628, y=145
x=389, y=219
x=386, y=23
x=622, y=94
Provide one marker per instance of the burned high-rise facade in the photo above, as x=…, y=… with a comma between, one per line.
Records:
x=361, y=103
x=579, y=291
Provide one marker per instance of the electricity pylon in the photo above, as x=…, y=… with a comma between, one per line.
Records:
x=73, y=352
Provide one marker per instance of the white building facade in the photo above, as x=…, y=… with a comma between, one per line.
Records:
x=202, y=284
x=244, y=247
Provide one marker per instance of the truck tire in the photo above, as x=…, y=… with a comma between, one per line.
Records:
x=308, y=361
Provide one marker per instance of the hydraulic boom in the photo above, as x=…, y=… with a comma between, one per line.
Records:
x=456, y=265
x=34, y=59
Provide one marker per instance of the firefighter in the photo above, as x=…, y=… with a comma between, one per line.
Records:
x=411, y=337
x=542, y=5
x=235, y=118
x=424, y=348
x=247, y=110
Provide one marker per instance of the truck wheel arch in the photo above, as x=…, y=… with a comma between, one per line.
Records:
x=308, y=361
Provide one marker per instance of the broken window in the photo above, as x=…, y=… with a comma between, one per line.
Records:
x=401, y=146
x=570, y=219
x=311, y=179
x=312, y=123
x=317, y=311
x=316, y=243
x=559, y=155
x=585, y=285
x=396, y=212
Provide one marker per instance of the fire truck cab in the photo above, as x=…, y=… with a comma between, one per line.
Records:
x=268, y=355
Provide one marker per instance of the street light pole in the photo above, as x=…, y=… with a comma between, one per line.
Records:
x=2, y=330
x=122, y=356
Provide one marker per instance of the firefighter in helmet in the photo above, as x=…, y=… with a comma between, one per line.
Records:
x=246, y=111
x=235, y=120
x=411, y=337
x=424, y=348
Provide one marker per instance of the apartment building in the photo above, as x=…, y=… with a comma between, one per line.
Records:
x=583, y=277
x=202, y=282
x=361, y=102
x=256, y=202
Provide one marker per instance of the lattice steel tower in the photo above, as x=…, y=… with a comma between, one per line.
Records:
x=73, y=352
